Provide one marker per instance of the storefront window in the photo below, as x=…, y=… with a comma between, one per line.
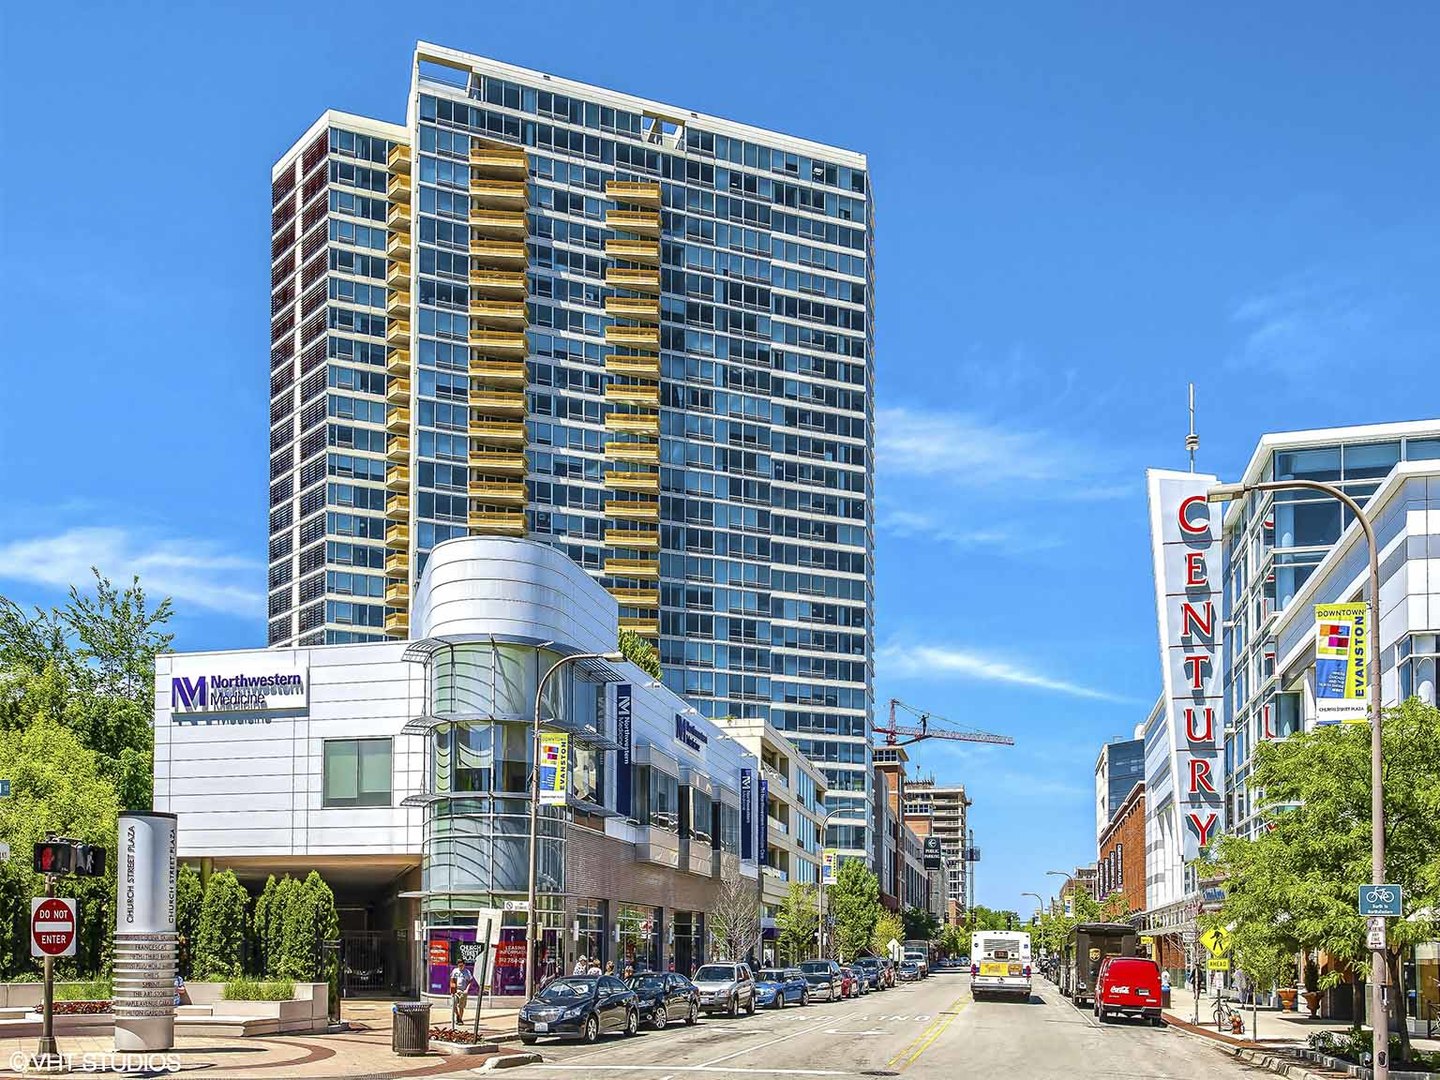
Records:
x=592, y=941
x=639, y=929
x=689, y=941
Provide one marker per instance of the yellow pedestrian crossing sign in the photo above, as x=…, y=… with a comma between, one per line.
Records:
x=1217, y=940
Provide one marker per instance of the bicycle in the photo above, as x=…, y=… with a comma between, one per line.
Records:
x=1228, y=1021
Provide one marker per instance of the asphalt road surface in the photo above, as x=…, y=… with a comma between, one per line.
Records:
x=928, y=1029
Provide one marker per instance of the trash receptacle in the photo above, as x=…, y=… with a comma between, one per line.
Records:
x=410, y=1028
x=1165, y=998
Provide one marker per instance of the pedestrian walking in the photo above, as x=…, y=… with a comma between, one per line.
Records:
x=582, y=965
x=610, y=967
x=460, y=980
x=594, y=968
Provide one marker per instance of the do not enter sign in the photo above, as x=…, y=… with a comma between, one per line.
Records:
x=52, y=926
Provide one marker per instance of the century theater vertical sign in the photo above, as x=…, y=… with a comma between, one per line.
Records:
x=1186, y=538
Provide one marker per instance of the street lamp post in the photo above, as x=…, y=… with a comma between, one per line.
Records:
x=1379, y=1019
x=824, y=823
x=533, y=953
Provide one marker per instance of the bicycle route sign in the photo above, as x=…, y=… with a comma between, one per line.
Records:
x=1380, y=900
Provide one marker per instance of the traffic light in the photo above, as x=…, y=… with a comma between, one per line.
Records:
x=54, y=857
x=89, y=860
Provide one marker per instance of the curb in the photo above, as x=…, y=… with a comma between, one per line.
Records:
x=509, y=1061
x=1274, y=1064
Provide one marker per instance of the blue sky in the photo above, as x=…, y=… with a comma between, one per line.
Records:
x=1080, y=207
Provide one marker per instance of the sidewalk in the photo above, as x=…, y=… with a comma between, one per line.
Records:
x=362, y=1051
x=1270, y=1026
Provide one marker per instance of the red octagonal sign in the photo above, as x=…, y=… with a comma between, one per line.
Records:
x=52, y=926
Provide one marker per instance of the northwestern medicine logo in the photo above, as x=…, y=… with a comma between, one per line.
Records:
x=236, y=693
x=689, y=734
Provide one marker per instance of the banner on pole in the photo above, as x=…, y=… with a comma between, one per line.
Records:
x=1342, y=663
x=554, y=768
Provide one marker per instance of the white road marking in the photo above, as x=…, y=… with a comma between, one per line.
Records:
x=761, y=1046
x=836, y=1031
x=691, y=1068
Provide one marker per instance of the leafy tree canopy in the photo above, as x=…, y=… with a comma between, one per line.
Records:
x=854, y=903
x=920, y=925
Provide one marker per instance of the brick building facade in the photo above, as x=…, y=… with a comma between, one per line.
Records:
x=1120, y=861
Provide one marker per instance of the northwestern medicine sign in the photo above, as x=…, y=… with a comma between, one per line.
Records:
x=200, y=694
x=1185, y=537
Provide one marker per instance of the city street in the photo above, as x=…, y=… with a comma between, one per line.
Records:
x=929, y=1029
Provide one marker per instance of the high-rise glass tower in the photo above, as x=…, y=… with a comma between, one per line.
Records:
x=638, y=333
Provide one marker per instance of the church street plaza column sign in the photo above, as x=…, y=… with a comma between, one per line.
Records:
x=1185, y=538
x=145, y=945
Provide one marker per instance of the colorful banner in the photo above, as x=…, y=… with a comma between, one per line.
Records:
x=747, y=814
x=624, y=728
x=827, y=868
x=1342, y=663
x=554, y=768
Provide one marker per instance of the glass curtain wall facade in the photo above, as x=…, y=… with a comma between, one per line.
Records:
x=1273, y=542
x=636, y=333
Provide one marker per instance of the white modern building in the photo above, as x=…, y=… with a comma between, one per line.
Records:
x=400, y=771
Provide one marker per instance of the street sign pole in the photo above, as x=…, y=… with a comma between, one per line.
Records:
x=47, y=1053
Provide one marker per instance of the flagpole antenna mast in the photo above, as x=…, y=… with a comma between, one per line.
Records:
x=1192, y=441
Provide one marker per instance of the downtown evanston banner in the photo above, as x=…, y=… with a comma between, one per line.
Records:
x=1342, y=663
x=554, y=768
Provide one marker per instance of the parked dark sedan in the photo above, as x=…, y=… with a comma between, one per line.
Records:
x=663, y=997
x=580, y=1007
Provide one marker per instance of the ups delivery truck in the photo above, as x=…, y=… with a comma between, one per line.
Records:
x=1088, y=945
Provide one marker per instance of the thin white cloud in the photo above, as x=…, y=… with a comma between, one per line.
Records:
x=948, y=661
x=194, y=572
x=912, y=524
x=968, y=451
x=1299, y=324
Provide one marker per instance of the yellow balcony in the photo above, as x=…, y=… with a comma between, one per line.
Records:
x=631, y=277
x=497, y=283
x=488, y=369
x=397, y=188
x=639, y=308
x=505, y=313
x=646, y=510
x=644, y=453
x=397, y=449
x=635, y=192
x=488, y=221
x=502, y=402
x=633, y=423
x=637, y=598
x=499, y=341
x=636, y=337
x=505, y=194
x=398, y=333
x=397, y=304
x=398, y=392
x=397, y=421
x=649, y=628
x=630, y=480
x=639, y=251
x=398, y=246
x=503, y=432
x=638, y=367
x=504, y=162
x=397, y=478
x=498, y=522
x=397, y=594
x=505, y=492
x=397, y=623
x=633, y=539
x=399, y=159
x=397, y=218
x=497, y=461
x=397, y=538
x=498, y=252
x=633, y=394
x=397, y=275
x=397, y=507
x=397, y=362
x=397, y=564
x=633, y=568
x=642, y=222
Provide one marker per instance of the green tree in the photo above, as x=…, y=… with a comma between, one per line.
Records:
x=1293, y=886
x=797, y=921
x=640, y=652
x=954, y=942
x=57, y=788
x=220, y=937
x=920, y=925
x=189, y=897
x=854, y=903
x=889, y=927
x=261, y=924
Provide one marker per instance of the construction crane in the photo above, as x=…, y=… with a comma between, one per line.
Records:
x=893, y=732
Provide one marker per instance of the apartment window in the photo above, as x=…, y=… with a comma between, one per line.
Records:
x=357, y=772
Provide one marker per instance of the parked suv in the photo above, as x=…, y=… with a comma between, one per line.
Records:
x=726, y=987
x=1128, y=986
x=823, y=977
x=874, y=971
